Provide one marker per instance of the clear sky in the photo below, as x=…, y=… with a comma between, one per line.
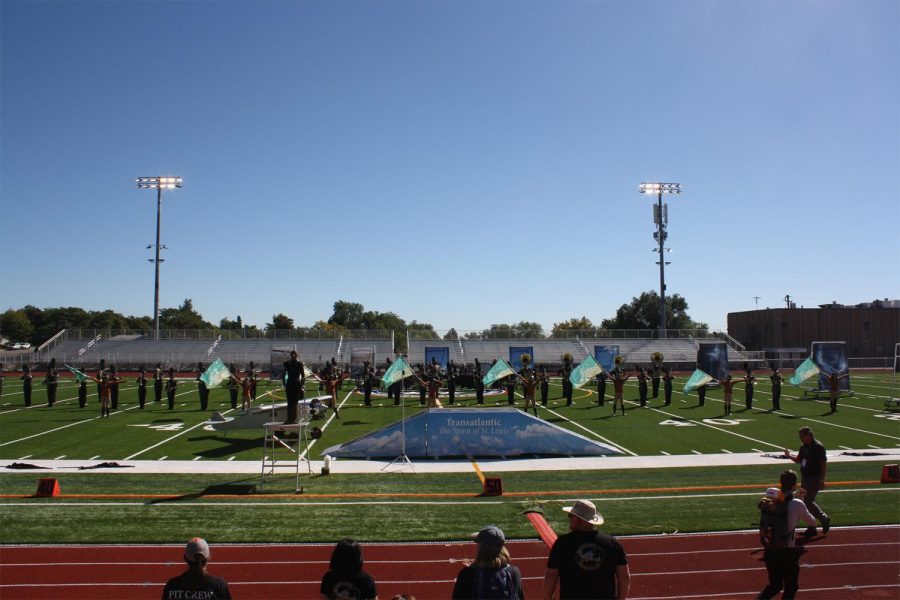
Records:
x=457, y=163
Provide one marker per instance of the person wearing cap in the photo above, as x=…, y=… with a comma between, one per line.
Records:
x=491, y=575
x=783, y=564
x=345, y=577
x=586, y=563
x=196, y=582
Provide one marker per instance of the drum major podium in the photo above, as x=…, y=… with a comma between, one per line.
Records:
x=285, y=446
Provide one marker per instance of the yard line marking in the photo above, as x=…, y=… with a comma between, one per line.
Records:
x=696, y=452
x=876, y=447
x=757, y=450
x=162, y=458
x=138, y=453
x=61, y=401
x=734, y=433
x=24, y=457
x=664, y=452
x=198, y=458
x=845, y=447
x=593, y=433
x=727, y=451
x=94, y=457
x=231, y=458
x=60, y=457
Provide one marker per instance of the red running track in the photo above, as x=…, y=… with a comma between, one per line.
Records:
x=850, y=563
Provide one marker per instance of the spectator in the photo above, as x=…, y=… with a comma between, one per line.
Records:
x=813, y=463
x=586, y=563
x=783, y=562
x=345, y=577
x=196, y=582
x=491, y=575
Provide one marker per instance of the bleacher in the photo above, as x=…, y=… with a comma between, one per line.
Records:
x=132, y=351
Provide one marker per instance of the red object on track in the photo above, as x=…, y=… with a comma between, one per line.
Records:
x=542, y=526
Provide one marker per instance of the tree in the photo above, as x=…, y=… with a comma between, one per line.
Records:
x=280, y=321
x=227, y=323
x=522, y=329
x=451, y=334
x=643, y=313
x=347, y=314
x=183, y=317
x=582, y=324
x=14, y=324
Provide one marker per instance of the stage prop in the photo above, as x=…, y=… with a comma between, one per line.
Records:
x=312, y=409
x=486, y=432
x=515, y=356
x=830, y=357
x=440, y=355
x=606, y=356
x=712, y=359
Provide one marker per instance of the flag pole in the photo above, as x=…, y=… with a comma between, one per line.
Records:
x=403, y=459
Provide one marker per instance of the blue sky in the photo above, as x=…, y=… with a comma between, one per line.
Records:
x=457, y=163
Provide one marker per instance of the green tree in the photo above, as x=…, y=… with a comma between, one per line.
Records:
x=227, y=323
x=347, y=314
x=643, y=313
x=15, y=325
x=582, y=324
x=451, y=334
x=183, y=317
x=280, y=321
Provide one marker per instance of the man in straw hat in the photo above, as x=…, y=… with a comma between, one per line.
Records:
x=586, y=563
x=196, y=582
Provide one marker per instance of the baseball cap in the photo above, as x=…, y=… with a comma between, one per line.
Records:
x=195, y=548
x=491, y=536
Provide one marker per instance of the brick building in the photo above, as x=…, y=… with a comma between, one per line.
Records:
x=870, y=329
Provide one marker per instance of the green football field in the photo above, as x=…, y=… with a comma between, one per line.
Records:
x=138, y=507
x=156, y=433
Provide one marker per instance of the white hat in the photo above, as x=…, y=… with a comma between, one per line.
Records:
x=773, y=493
x=586, y=511
x=196, y=547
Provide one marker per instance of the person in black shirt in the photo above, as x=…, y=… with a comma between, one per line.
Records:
x=511, y=389
x=142, y=386
x=158, y=383
x=368, y=383
x=586, y=563
x=667, y=378
x=345, y=577
x=750, y=381
x=294, y=381
x=51, y=380
x=601, y=387
x=233, y=384
x=776, y=388
x=566, y=384
x=642, y=378
x=813, y=463
x=451, y=383
x=196, y=582
x=26, y=384
x=171, y=387
x=82, y=393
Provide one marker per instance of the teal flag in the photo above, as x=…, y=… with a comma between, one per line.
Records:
x=500, y=370
x=398, y=371
x=697, y=379
x=585, y=372
x=78, y=374
x=216, y=374
x=806, y=370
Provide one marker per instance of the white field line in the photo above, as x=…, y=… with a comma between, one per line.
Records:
x=331, y=418
x=63, y=427
x=169, y=439
x=593, y=433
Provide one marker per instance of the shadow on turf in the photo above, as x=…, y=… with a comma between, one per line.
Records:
x=228, y=446
x=232, y=488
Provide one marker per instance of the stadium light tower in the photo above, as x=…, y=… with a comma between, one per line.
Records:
x=661, y=219
x=159, y=184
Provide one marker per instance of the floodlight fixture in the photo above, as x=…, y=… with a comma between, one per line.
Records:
x=661, y=220
x=159, y=184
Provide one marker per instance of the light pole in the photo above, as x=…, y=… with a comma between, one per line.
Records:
x=661, y=219
x=159, y=184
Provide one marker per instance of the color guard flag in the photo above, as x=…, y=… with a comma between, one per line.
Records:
x=585, y=372
x=398, y=371
x=216, y=374
x=806, y=370
x=500, y=370
x=79, y=376
x=697, y=379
